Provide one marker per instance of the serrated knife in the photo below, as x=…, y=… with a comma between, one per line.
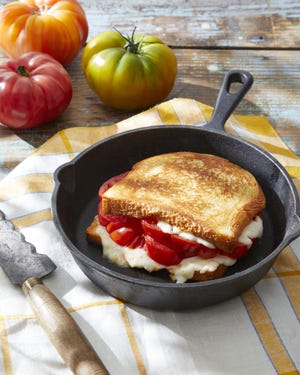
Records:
x=25, y=267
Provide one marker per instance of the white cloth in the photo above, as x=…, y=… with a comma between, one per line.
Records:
x=256, y=333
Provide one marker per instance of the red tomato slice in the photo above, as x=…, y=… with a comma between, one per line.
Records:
x=109, y=183
x=126, y=231
x=123, y=236
x=239, y=251
x=138, y=241
x=126, y=236
x=106, y=219
x=186, y=248
x=112, y=226
x=150, y=228
x=189, y=249
x=161, y=253
x=206, y=252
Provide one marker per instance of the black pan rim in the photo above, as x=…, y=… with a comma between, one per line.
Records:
x=198, y=127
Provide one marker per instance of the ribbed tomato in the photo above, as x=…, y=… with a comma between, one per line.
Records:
x=56, y=27
x=34, y=89
x=129, y=72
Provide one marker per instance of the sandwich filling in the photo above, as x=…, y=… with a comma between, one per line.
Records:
x=139, y=258
x=153, y=245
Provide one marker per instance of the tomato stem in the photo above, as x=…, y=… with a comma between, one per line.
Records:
x=131, y=45
x=22, y=71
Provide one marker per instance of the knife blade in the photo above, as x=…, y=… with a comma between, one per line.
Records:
x=25, y=267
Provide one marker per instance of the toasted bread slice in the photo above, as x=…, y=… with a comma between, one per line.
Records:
x=93, y=233
x=202, y=194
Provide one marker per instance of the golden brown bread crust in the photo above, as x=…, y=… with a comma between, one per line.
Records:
x=94, y=237
x=202, y=194
x=217, y=274
x=91, y=233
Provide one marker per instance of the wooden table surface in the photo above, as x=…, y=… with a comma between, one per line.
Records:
x=208, y=38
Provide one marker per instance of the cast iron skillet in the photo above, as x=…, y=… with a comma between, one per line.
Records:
x=74, y=205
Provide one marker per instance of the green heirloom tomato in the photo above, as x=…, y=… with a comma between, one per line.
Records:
x=129, y=72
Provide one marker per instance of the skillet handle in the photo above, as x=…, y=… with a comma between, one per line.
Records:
x=227, y=101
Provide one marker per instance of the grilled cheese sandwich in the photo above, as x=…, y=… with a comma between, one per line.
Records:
x=201, y=195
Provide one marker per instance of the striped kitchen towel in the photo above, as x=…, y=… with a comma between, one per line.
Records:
x=255, y=333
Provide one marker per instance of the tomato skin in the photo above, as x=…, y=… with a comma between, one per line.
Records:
x=106, y=219
x=28, y=101
x=109, y=183
x=129, y=80
x=123, y=236
x=56, y=27
x=161, y=252
x=239, y=251
x=152, y=230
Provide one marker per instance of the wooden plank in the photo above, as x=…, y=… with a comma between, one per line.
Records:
x=275, y=94
x=239, y=32
x=216, y=23
x=236, y=26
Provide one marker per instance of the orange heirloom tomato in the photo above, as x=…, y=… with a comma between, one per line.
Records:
x=129, y=72
x=56, y=27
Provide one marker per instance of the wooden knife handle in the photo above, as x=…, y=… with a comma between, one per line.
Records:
x=62, y=330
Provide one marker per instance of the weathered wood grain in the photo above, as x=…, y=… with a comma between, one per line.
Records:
x=247, y=26
x=275, y=93
x=216, y=23
x=209, y=38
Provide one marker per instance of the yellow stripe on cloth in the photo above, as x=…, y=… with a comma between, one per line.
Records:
x=257, y=125
x=293, y=171
x=132, y=340
x=206, y=111
x=32, y=219
x=268, y=334
x=32, y=183
x=287, y=267
x=258, y=130
x=7, y=362
x=255, y=129
x=111, y=301
x=67, y=142
x=167, y=113
x=75, y=139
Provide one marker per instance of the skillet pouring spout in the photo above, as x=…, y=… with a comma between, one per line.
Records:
x=293, y=230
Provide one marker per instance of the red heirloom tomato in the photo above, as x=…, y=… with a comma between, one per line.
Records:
x=56, y=27
x=129, y=72
x=34, y=89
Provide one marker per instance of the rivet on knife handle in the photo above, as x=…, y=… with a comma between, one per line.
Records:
x=62, y=330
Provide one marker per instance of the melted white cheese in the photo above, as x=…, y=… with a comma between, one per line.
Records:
x=172, y=229
x=138, y=258
x=253, y=230
x=186, y=268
